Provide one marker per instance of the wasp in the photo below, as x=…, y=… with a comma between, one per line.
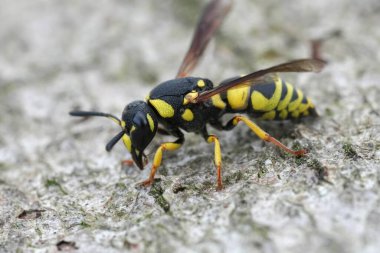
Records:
x=191, y=104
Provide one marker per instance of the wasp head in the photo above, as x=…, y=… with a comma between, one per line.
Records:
x=139, y=126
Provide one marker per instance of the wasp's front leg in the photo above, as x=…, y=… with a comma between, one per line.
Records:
x=171, y=146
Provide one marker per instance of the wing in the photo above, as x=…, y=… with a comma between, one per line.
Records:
x=209, y=22
x=303, y=65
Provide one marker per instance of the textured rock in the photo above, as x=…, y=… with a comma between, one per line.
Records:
x=60, y=190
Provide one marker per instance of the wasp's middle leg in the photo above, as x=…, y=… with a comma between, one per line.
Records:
x=210, y=138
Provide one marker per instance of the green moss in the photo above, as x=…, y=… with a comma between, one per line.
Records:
x=38, y=231
x=262, y=172
x=262, y=230
x=320, y=170
x=329, y=112
x=163, y=170
x=242, y=217
x=233, y=177
x=193, y=187
x=2, y=165
x=297, y=146
x=314, y=164
x=349, y=151
x=299, y=160
x=121, y=186
x=156, y=192
x=120, y=214
x=200, y=187
x=179, y=188
x=54, y=183
x=163, y=203
x=84, y=224
x=207, y=185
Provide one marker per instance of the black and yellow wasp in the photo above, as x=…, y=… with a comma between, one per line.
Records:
x=191, y=103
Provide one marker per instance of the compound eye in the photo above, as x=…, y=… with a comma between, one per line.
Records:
x=139, y=120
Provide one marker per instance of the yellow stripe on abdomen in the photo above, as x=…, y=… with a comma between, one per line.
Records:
x=284, y=103
x=262, y=103
x=293, y=105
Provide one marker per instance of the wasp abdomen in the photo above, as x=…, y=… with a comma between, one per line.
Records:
x=274, y=100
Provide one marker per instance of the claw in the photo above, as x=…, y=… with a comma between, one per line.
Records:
x=147, y=182
x=301, y=152
x=127, y=162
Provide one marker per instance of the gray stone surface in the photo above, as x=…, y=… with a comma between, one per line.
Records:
x=59, y=189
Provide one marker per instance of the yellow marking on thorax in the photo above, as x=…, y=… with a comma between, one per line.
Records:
x=269, y=115
x=294, y=104
x=189, y=97
x=201, y=83
x=238, y=98
x=151, y=122
x=217, y=101
x=261, y=103
x=283, y=103
x=162, y=107
x=187, y=115
x=127, y=142
x=123, y=124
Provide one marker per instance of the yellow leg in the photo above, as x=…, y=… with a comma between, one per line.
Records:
x=265, y=136
x=218, y=159
x=158, y=158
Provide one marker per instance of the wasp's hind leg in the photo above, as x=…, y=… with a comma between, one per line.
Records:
x=261, y=134
x=210, y=138
x=158, y=155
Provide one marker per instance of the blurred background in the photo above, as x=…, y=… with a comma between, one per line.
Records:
x=59, y=188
